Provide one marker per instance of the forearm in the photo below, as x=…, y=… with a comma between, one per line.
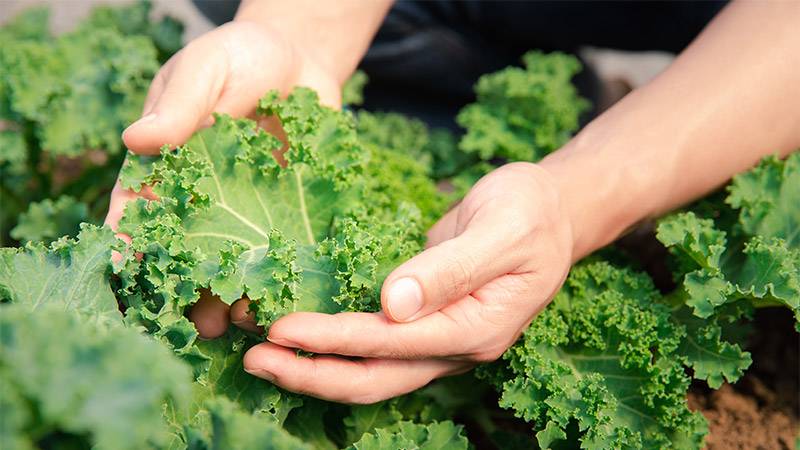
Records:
x=335, y=34
x=728, y=100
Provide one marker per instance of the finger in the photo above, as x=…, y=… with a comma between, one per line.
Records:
x=342, y=380
x=116, y=206
x=457, y=332
x=479, y=327
x=157, y=87
x=120, y=198
x=484, y=250
x=189, y=93
x=243, y=317
x=210, y=315
x=444, y=229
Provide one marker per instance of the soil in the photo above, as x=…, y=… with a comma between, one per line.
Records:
x=762, y=410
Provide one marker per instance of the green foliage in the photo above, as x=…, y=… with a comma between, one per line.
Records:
x=602, y=356
x=400, y=166
x=755, y=259
x=48, y=220
x=70, y=100
x=134, y=19
x=233, y=429
x=353, y=90
x=67, y=382
x=64, y=101
x=407, y=435
x=71, y=274
x=522, y=114
x=436, y=148
x=307, y=236
x=318, y=228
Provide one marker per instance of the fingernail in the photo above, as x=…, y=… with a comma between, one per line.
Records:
x=148, y=118
x=405, y=298
x=262, y=373
x=283, y=342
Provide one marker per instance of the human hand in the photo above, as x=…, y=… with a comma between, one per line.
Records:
x=226, y=70
x=492, y=264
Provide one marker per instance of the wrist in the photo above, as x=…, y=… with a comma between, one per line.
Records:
x=333, y=37
x=604, y=185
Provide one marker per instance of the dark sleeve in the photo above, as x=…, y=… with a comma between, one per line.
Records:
x=217, y=11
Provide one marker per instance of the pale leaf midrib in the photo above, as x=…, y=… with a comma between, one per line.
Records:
x=242, y=219
x=224, y=205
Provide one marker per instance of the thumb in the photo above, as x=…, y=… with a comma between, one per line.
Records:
x=449, y=271
x=180, y=100
x=184, y=94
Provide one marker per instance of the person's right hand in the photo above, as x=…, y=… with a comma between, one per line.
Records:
x=226, y=71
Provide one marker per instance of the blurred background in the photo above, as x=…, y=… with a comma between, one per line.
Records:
x=66, y=13
x=619, y=71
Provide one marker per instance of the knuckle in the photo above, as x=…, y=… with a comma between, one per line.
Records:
x=490, y=354
x=403, y=350
x=456, y=278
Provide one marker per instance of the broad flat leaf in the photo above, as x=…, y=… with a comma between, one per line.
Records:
x=70, y=274
x=365, y=418
x=308, y=424
x=226, y=377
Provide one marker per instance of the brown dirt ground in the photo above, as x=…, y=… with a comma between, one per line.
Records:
x=762, y=410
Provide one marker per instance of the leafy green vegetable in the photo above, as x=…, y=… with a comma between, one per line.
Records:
x=397, y=133
x=767, y=199
x=407, y=435
x=71, y=274
x=706, y=348
x=602, y=356
x=313, y=235
x=353, y=89
x=436, y=148
x=48, y=220
x=395, y=178
x=756, y=259
x=317, y=228
x=134, y=19
x=523, y=114
x=66, y=381
x=233, y=429
x=75, y=102
x=64, y=101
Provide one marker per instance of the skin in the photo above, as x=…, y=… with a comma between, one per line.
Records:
x=495, y=260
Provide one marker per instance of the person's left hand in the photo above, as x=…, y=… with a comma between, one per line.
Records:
x=491, y=265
